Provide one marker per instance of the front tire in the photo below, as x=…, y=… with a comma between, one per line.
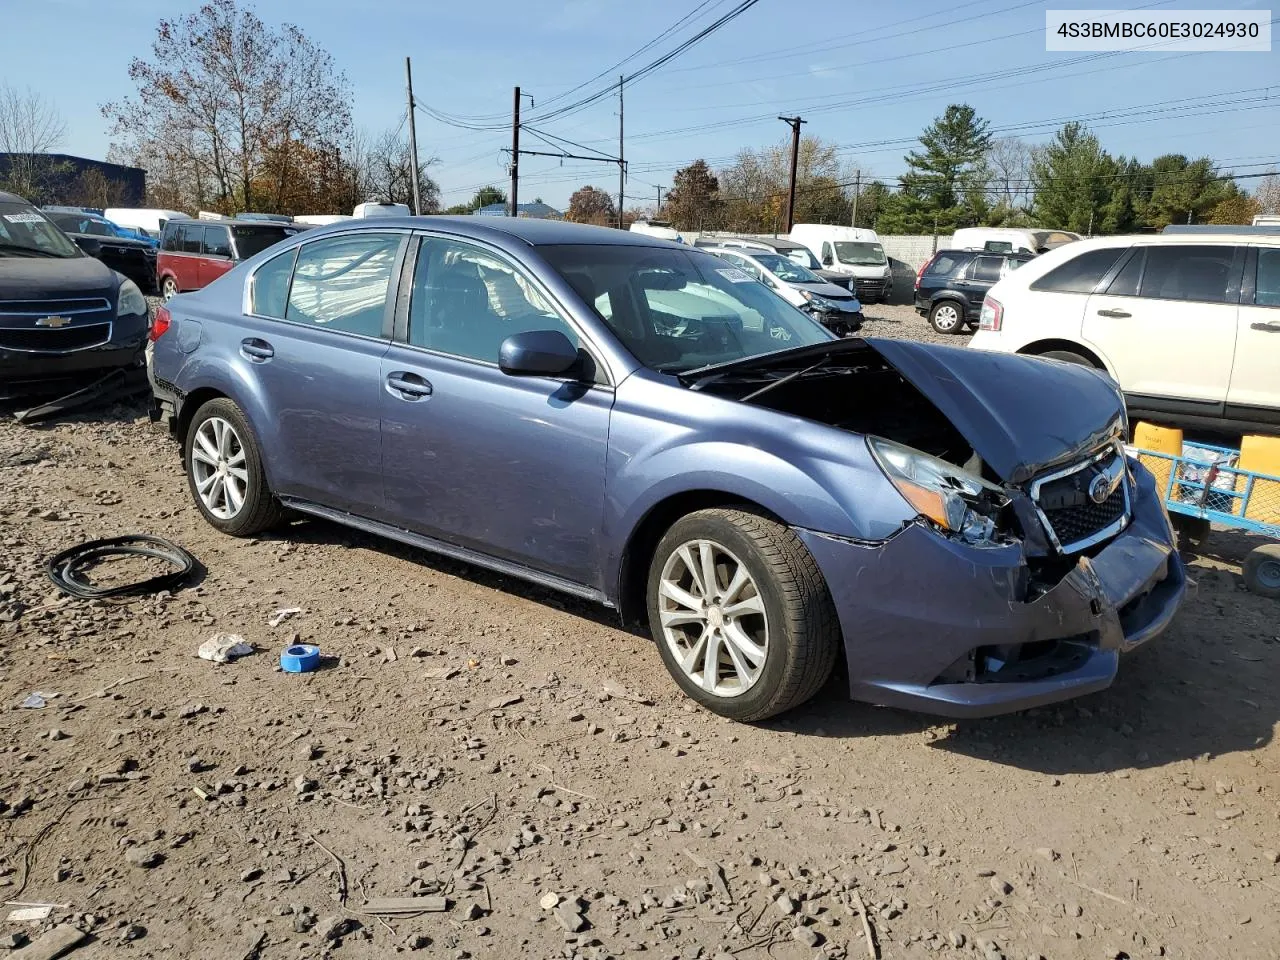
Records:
x=947, y=316
x=741, y=614
x=224, y=471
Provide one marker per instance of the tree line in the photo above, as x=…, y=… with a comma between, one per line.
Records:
x=960, y=175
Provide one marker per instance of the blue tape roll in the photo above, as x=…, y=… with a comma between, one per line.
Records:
x=300, y=658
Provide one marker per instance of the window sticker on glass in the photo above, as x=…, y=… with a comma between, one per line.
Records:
x=24, y=218
x=734, y=275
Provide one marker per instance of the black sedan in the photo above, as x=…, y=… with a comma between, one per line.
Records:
x=136, y=259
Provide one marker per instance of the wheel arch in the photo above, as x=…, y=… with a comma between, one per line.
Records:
x=1038, y=347
x=633, y=570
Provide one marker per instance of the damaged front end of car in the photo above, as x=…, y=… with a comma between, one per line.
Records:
x=1038, y=552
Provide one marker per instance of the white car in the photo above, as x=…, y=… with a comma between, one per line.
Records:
x=1188, y=324
x=834, y=307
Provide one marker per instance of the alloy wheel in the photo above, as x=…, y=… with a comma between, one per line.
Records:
x=219, y=468
x=946, y=317
x=713, y=618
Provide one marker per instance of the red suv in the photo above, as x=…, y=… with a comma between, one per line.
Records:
x=194, y=253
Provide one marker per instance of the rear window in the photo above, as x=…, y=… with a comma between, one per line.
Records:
x=1080, y=274
x=943, y=264
x=254, y=238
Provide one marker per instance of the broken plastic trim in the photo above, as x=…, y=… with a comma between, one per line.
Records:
x=119, y=384
x=67, y=568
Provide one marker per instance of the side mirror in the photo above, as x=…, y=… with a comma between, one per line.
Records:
x=537, y=353
x=827, y=261
x=90, y=245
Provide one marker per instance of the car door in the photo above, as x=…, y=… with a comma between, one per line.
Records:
x=979, y=277
x=312, y=348
x=1255, y=374
x=512, y=467
x=1167, y=323
x=215, y=255
x=186, y=266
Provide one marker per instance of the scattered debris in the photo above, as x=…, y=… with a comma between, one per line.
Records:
x=223, y=647
x=37, y=700
x=867, y=933
x=58, y=941
x=404, y=906
x=283, y=614
x=24, y=914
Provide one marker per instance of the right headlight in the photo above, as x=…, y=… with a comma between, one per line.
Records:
x=957, y=501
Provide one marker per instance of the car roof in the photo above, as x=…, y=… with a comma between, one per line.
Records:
x=11, y=198
x=534, y=232
x=1166, y=239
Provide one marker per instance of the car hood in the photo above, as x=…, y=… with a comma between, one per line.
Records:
x=1020, y=414
x=47, y=278
x=829, y=290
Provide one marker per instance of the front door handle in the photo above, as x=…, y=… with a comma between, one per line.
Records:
x=408, y=386
x=258, y=351
x=1270, y=326
x=1114, y=314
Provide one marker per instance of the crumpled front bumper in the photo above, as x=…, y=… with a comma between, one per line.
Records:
x=929, y=622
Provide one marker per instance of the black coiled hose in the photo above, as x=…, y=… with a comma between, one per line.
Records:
x=66, y=569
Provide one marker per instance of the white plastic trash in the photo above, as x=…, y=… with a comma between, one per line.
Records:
x=222, y=647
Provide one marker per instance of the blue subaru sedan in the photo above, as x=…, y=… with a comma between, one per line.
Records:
x=639, y=423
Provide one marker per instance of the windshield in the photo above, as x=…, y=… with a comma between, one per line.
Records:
x=81, y=224
x=804, y=256
x=786, y=269
x=252, y=238
x=25, y=232
x=860, y=254
x=677, y=310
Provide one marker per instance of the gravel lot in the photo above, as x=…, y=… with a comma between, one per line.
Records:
x=516, y=753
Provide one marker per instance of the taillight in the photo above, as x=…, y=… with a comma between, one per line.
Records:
x=160, y=324
x=992, y=316
x=923, y=268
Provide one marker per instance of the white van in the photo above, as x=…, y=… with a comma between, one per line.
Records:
x=321, y=219
x=656, y=228
x=1009, y=240
x=150, y=221
x=851, y=250
x=380, y=208
x=1261, y=220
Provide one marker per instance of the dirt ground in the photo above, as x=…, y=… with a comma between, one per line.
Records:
x=516, y=753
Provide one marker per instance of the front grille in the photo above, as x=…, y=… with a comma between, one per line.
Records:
x=873, y=287
x=1073, y=519
x=39, y=340
x=44, y=308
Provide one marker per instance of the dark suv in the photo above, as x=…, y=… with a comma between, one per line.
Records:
x=951, y=285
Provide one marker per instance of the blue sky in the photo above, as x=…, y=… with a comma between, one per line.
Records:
x=867, y=77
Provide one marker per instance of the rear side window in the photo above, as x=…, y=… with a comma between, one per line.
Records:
x=942, y=265
x=217, y=242
x=1267, y=289
x=341, y=283
x=1081, y=273
x=270, y=293
x=1178, y=272
x=986, y=269
x=1129, y=279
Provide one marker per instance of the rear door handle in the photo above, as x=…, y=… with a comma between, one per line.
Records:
x=259, y=351
x=1114, y=314
x=1270, y=326
x=408, y=386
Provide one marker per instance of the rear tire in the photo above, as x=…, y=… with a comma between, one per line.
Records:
x=168, y=288
x=947, y=316
x=225, y=474
x=1067, y=356
x=1262, y=571
x=747, y=652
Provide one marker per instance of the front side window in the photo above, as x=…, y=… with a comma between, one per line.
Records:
x=217, y=242
x=1267, y=287
x=677, y=310
x=466, y=301
x=1081, y=273
x=341, y=283
x=270, y=292
x=190, y=238
x=1187, y=272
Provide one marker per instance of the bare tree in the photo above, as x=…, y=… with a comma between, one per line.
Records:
x=232, y=104
x=1009, y=173
x=388, y=175
x=1268, y=193
x=30, y=127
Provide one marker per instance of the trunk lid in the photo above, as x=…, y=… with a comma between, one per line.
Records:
x=1020, y=414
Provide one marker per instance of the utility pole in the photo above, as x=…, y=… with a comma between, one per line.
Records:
x=659, y=213
x=515, y=153
x=857, y=189
x=413, y=140
x=794, y=123
x=622, y=167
